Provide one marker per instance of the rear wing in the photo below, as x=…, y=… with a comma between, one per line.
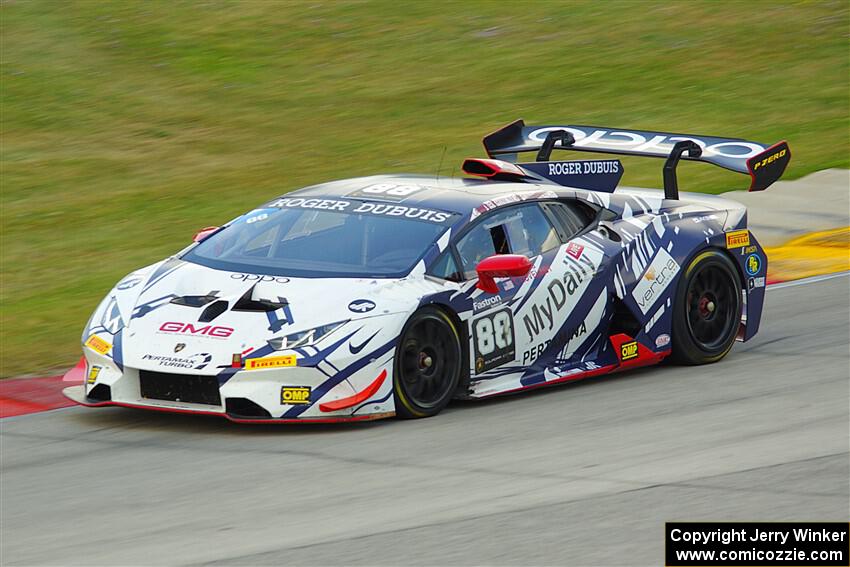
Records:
x=764, y=164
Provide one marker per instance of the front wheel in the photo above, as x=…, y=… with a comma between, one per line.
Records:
x=427, y=364
x=707, y=310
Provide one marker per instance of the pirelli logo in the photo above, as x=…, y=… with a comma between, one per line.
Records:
x=270, y=362
x=98, y=345
x=737, y=238
x=295, y=395
x=770, y=159
x=628, y=351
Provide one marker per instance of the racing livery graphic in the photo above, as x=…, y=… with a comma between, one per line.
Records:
x=391, y=295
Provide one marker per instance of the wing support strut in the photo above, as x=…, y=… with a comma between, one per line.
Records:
x=671, y=184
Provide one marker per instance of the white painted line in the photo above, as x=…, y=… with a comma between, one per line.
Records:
x=804, y=281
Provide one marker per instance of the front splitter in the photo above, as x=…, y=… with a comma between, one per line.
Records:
x=78, y=395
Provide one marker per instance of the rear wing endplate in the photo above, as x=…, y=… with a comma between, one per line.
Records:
x=764, y=164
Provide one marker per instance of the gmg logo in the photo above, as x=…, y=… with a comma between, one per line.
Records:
x=189, y=329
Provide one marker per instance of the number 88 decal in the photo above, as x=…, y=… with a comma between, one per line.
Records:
x=392, y=189
x=494, y=340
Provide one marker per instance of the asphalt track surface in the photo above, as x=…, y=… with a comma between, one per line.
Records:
x=584, y=474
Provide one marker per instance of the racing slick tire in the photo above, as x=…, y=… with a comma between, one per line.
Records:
x=427, y=364
x=707, y=309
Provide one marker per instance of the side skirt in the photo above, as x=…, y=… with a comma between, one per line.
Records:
x=645, y=357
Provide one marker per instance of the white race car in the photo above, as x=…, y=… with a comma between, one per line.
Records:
x=390, y=295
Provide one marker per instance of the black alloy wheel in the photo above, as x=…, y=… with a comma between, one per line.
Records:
x=707, y=312
x=427, y=364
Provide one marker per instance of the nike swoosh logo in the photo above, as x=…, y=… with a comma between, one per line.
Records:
x=357, y=349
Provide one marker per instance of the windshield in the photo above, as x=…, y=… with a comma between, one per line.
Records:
x=355, y=240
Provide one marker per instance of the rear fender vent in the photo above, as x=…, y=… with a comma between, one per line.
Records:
x=623, y=320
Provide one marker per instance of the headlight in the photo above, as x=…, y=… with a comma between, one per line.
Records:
x=111, y=319
x=305, y=338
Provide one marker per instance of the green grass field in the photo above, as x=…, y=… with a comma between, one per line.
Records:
x=126, y=126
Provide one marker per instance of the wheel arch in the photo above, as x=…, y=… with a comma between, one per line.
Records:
x=746, y=302
x=692, y=260
x=742, y=279
x=463, y=333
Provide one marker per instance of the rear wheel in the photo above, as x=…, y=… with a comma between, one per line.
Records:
x=707, y=312
x=427, y=364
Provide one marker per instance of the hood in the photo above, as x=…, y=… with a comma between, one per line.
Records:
x=185, y=317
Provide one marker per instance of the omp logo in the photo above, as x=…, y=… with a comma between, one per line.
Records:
x=737, y=238
x=629, y=351
x=189, y=329
x=770, y=159
x=294, y=395
x=655, y=280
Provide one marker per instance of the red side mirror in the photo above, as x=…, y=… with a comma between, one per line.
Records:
x=500, y=266
x=203, y=233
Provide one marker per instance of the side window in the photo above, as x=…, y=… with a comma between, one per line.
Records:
x=445, y=267
x=516, y=230
x=573, y=218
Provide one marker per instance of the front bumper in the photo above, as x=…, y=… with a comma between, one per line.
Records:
x=308, y=394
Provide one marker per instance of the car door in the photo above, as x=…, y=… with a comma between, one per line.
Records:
x=497, y=344
x=536, y=319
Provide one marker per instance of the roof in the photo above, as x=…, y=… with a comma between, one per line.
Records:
x=458, y=195
x=464, y=195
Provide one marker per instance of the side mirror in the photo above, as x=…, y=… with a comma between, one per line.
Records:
x=203, y=233
x=500, y=266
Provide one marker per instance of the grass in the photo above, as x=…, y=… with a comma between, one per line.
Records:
x=126, y=126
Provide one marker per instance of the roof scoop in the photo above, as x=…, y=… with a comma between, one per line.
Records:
x=495, y=169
